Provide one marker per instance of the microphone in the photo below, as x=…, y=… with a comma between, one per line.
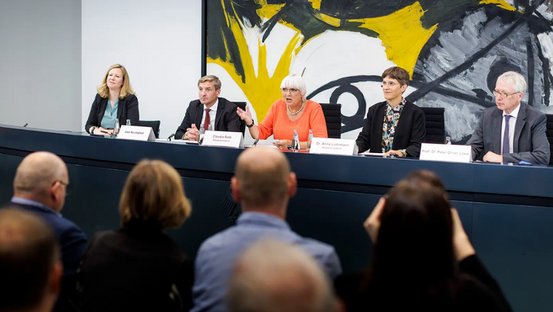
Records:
x=170, y=137
x=25, y=125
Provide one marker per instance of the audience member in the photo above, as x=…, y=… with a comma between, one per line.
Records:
x=275, y=276
x=263, y=184
x=30, y=269
x=115, y=101
x=292, y=112
x=40, y=186
x=138, y=267
x=209, y=112
x=394, y=127
x=422, y=258
x=512, y=131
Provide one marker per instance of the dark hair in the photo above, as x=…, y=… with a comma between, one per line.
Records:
x=414, y=261
x=28, y=252
x=397, y=73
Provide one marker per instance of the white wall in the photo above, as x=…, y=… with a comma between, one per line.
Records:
x=159, y=42
x=40, y=63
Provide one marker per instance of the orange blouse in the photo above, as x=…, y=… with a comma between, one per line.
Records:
x=277, y=122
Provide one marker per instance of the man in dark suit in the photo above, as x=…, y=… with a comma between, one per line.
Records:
x=512, y=131
x=40, y=186
x=209, y=112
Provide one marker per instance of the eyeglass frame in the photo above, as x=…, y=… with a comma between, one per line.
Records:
x=503, y=95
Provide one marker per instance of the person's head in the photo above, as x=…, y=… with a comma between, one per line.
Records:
x=30, y=266
x=414, y=245
x=153, y=194
x=426, y=176
x=509, y=91
x=293, y=90
x=395, y=81
x=209, y=88
x=263, y=180
x=116, y=79
x=42, y=177
x=275, y=276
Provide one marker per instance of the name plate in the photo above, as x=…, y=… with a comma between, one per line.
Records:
x=333, y=146
x=446, y=152
x=136, y=133
x=222, y=138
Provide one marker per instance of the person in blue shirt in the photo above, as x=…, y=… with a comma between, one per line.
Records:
x=263, y=183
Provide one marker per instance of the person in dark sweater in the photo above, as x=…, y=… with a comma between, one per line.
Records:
x=422, y=257
x=138, y=267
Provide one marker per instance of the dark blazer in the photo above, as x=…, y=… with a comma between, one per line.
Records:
x=136, y=268
x=127, y=109
x=72, y=241
x=410, y=130
x=226, y=118
x=529, y=144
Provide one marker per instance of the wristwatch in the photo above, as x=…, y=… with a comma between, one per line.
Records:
x=250, y=125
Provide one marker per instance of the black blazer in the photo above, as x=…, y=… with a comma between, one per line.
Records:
x=226, y=118
x=128, y=109
x=410, y=130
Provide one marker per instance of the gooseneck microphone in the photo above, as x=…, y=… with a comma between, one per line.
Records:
x=170, y=137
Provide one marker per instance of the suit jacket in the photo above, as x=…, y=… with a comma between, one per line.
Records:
x=127, y=109
x=410, y=129
x=529, y=143
x=226, y=118
x=135, y=268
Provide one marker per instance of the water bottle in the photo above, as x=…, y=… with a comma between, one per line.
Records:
x=201, y=132
x=128, y=122
x=309, y=139
x=448, y=140
x=295, y=141
x=116, y=128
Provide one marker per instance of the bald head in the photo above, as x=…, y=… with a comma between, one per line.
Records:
x=263, y=178
x=29, y=261
x=36, y=175
x=276, y=276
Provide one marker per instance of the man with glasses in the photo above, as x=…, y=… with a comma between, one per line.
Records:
x=40, y=186
x=511, y=132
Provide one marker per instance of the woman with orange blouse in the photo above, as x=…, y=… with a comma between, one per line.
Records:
x=292, y=112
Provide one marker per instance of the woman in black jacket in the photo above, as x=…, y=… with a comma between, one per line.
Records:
x=115, y=101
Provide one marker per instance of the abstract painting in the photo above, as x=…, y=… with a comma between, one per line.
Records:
x=454, y=51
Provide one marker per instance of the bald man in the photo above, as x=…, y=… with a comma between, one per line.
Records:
x=263, y=184
x=275, y=276
x=30, y=269
x=40, y=186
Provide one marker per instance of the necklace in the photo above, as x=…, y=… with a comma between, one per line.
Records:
x=296, y=112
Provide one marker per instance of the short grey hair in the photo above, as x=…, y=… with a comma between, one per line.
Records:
x=518, y=81
x=294, y=82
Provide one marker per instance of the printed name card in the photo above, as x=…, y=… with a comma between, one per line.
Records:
x=222, y=138
x=333, y=146
x=136, y=133
x=446, y=152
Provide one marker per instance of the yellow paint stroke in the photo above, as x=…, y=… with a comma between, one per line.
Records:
x=315, y=4
x=500, y=3
x=402, y=34
x=267, y=11
x=261, y=89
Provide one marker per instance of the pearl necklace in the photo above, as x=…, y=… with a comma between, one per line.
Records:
x=296, y=112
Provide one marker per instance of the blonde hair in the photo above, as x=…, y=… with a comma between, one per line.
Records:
x=126, y=89
x=154, y=194
x=211, y=78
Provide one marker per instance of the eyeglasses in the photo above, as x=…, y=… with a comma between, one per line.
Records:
x=390, y=84
x=291, y=90
x=502, y=94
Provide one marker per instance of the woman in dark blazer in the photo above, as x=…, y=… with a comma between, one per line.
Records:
x=138, y=267
x=115, y=101
x=394, y=127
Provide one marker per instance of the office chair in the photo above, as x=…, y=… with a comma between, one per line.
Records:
x=435, y=124
x=333, y=118
x=154, y=124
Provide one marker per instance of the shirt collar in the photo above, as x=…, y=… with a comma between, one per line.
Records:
x=264, y=218
x=515, y=111
x=30, y=202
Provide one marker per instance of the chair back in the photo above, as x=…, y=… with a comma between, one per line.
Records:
x=242, y=105
x=154, y=124
x=549, y=134
x=435, y=124
x=333, y=118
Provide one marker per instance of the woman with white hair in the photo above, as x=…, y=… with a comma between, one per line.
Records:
x=292, y=112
